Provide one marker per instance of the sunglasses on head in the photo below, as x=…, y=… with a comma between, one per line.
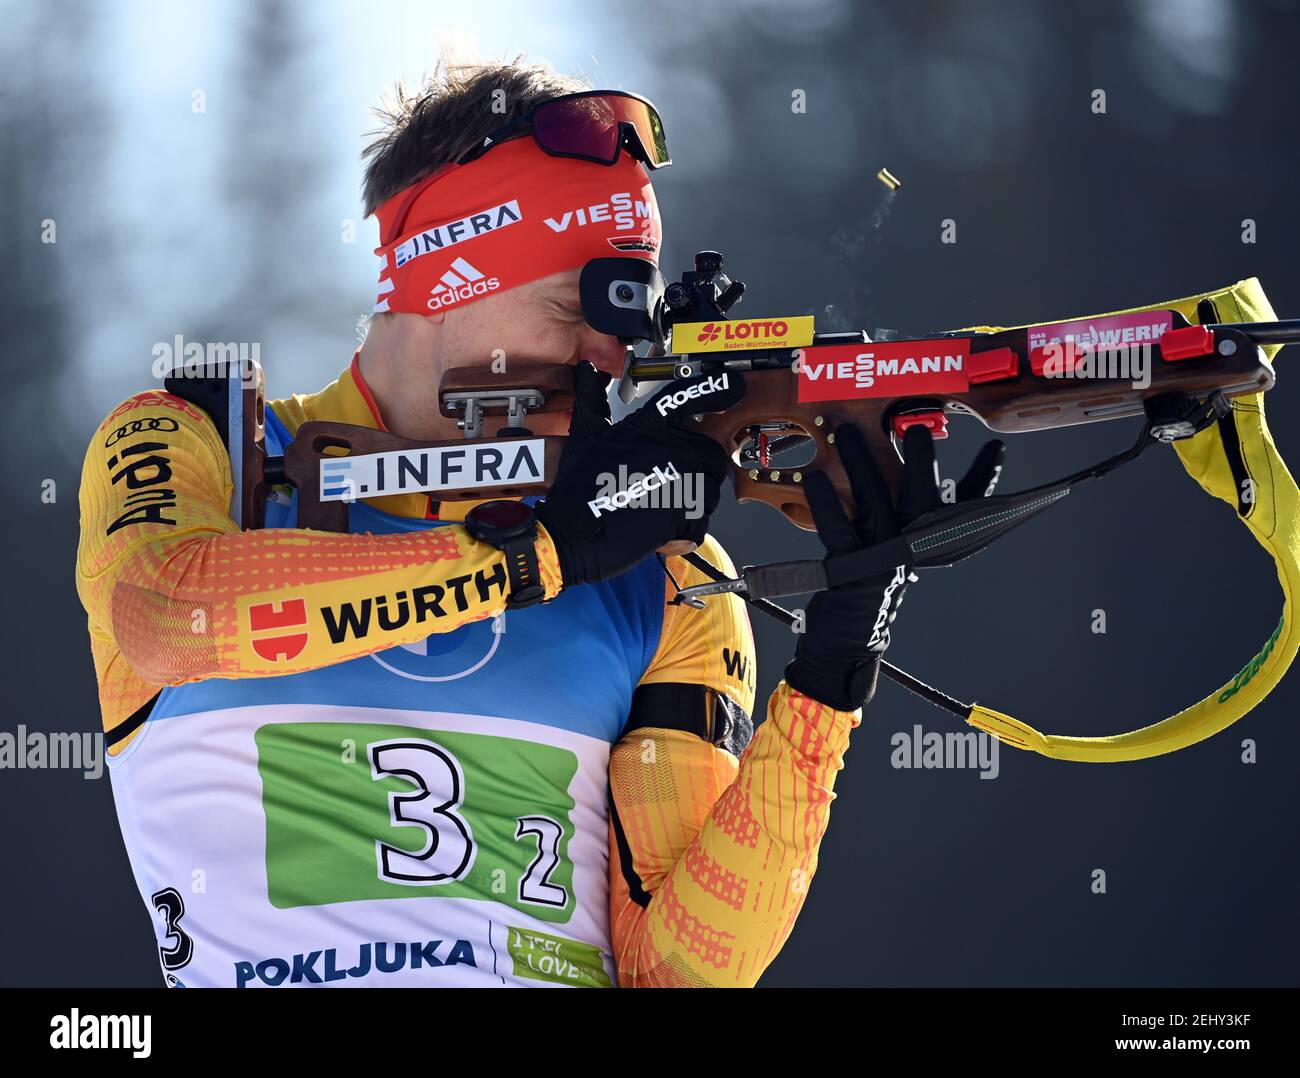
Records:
x=593, y=125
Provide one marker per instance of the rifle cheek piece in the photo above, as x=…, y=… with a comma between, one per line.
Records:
x=624, y=298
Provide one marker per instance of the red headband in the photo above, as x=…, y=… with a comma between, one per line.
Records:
x=513, y=216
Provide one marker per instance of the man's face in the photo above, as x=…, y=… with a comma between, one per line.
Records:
x=536, y=322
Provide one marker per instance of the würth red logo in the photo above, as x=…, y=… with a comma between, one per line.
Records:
x=277, y=617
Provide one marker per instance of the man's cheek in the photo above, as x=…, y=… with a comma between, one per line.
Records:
x=604, y=353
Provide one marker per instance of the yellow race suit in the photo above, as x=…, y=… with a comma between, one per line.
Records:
x=336, y=758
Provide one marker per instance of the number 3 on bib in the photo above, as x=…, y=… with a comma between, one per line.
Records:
x=448, y=850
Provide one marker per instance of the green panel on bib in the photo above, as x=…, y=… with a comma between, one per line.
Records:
x=489, y=817
x=541, y=957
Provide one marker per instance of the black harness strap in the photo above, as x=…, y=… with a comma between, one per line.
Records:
x=132, y=722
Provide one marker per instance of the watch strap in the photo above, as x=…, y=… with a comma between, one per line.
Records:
x=523, y=570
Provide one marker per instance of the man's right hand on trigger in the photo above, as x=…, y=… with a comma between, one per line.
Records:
x=599, y=524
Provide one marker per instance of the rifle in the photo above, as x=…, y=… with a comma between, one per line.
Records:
x=1004, y=379
x=815, y=381
x=1196, y=380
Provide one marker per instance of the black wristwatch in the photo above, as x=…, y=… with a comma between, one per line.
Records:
x=511, y=527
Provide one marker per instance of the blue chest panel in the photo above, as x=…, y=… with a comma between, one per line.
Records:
x=571, y=663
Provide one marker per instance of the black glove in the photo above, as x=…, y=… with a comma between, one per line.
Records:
x=846, y=628
x=597, y=533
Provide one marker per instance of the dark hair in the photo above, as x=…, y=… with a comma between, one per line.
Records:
x=452, y=110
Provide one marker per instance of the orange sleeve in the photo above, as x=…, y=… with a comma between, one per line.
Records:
x=174, y=588
x=711, y=856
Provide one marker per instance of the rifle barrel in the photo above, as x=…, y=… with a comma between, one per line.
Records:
x=1286, y=331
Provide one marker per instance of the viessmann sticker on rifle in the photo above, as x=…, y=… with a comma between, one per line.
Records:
x=729, y=336
x=837, y=372
x=454, y=467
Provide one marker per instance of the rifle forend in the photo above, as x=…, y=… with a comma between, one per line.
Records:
x=1012, y=381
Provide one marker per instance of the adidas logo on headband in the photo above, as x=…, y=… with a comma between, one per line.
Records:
x=463, y=281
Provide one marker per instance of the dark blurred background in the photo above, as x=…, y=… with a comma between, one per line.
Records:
x=199, y=163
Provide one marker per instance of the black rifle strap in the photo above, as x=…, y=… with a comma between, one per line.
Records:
x=929, y=693
x=941, y=537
